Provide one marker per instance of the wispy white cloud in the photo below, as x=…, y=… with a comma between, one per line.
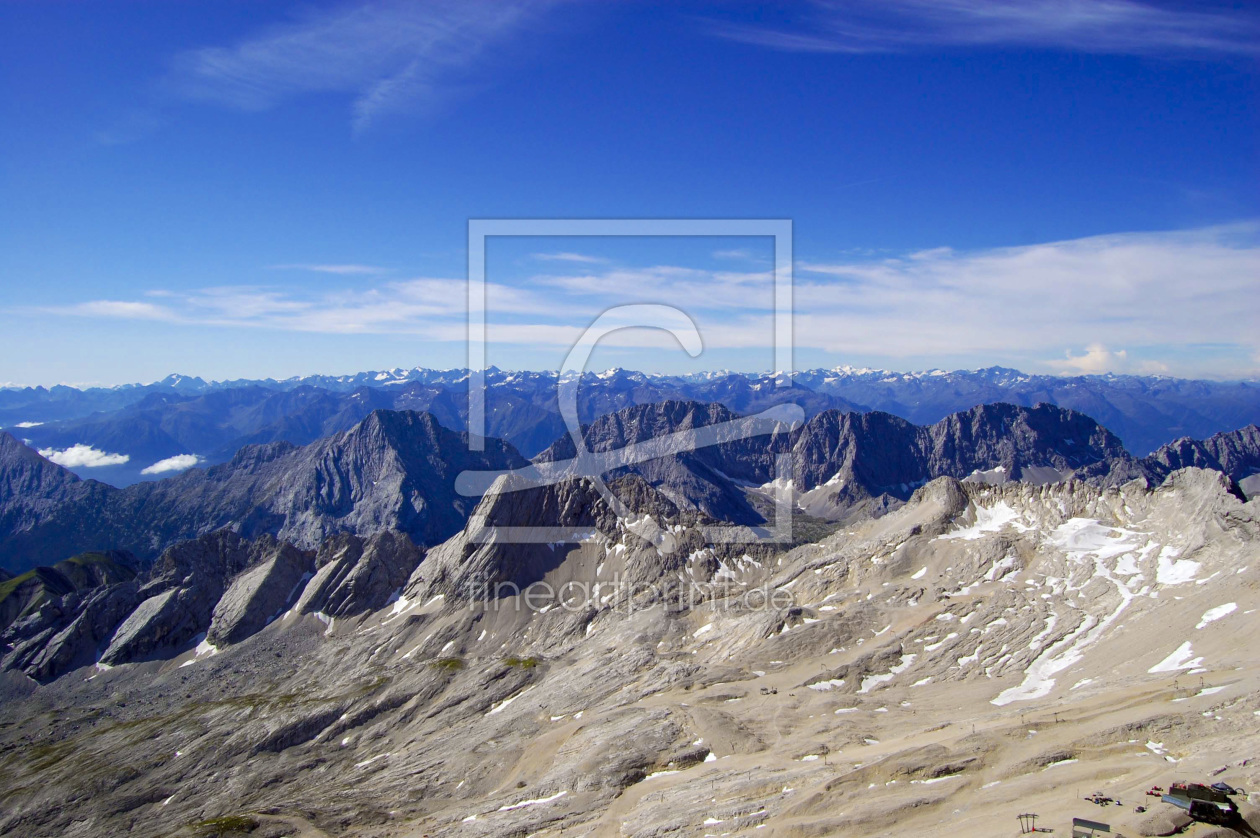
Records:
x=570, y=257
x=1174, y=291
x=1181, y=302
x=387, y=57
x=1117, y=27
x=432, y=307
x=180, y=462
x=83, y=456
x=339, y=270
x=695, y=288
x=130, y=310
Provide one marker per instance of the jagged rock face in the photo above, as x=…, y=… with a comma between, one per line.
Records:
x=1236, y=454
x=219, y=585
x=1018, y=438
x=67, y=633
x=1146, y=412
x=392, y=471
x=480, y=562
x=706, y=478
x=355, y=576
x=27, y=478
x=32, y=490
x=858, y=462
x=259, y=595
x=886, y=455
x=212, y=558
x=180, y=595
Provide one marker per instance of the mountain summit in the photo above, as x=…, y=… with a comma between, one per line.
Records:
x=393, y=470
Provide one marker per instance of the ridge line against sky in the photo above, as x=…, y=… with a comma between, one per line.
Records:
x=249, y=191
x=403, y=372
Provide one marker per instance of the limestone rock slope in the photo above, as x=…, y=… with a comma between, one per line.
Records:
x=979, y=652
x=356, y=576
x=68, y=632
x=218, y=583
x=259, y=595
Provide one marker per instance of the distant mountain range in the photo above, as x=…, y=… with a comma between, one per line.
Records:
x=127, y=434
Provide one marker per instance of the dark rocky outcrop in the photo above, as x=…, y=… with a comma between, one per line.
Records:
x=25, y=593
x=1236, y=454
x=67, y=632
x=179, y=597
x=857, y=461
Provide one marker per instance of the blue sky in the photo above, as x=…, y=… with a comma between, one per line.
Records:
x=246, y=190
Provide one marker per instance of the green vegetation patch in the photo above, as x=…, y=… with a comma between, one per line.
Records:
x=448, y=664
x=10, y=585
x=84, y=559
x=521, y=663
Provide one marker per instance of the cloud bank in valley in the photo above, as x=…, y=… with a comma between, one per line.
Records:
x=180, y=462
x=83, y=456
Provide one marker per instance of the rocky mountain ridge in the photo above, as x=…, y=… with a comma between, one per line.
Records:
x=190, y=419
x=397, y=470
x=298, y=519
x=393, y=470
x=853, y=464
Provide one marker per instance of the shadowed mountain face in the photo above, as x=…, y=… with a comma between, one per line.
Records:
x=23, y=594
x=1144, y=411
x=1237, y=454
x=394, y=470
x=845, y=462
x=32, y=489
